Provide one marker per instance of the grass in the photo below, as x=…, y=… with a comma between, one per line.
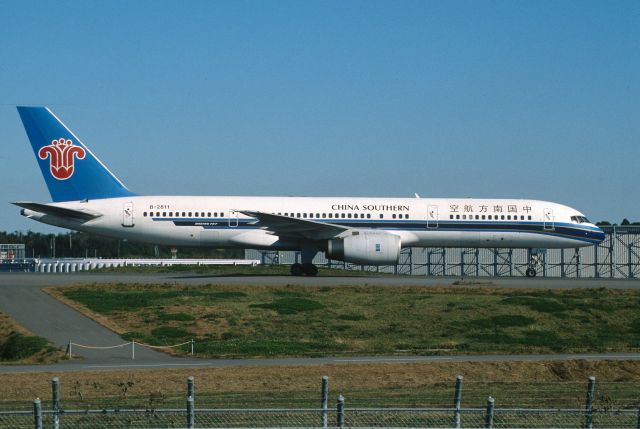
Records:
x=255, y=321
x=18, y=345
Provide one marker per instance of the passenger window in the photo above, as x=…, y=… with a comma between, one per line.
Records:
x=508, y=217
x=381, y=216
x=157, y=214
x=450, y=216
x=483, y=217
x=489, y=217
x=349, y=215
x=521, y=217
x=406, y=216
x=529, y=217
x=464, y=216
x=342, y=215
x=304, y=215
x=221, y=214
x=393, y=216
x=457, y=216
x=330, y=215
x=144, y=214
x=477, y=217
x=368, y=215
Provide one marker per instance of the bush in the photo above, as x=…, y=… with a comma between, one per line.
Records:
x=19, y=346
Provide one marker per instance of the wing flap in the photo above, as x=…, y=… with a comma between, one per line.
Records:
x=58, y=211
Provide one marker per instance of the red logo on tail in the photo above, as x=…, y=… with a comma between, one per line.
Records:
x=61, y=155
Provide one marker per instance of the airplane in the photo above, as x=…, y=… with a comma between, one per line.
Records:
x=88, y=197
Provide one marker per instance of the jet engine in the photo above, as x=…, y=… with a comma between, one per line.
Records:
x=365, y=247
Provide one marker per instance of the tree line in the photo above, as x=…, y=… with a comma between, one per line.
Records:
x=79, y=245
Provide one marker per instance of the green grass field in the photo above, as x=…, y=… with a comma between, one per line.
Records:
x=252, y=321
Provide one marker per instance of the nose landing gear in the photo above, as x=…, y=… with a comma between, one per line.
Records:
x=534, y=261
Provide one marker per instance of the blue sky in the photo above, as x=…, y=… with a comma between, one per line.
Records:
x=463, y=99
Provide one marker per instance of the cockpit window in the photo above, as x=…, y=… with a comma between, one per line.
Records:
x=580, y=219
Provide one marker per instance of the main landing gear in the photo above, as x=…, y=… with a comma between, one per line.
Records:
x=534, y=261
x=300, y=269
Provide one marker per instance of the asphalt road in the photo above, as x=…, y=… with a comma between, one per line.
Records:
x=22, y=299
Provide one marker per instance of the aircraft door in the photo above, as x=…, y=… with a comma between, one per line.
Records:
x=127, y=215
x=233, y=218
x=548, y=220
x=432, y=217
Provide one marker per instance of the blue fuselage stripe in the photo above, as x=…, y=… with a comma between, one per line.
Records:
x=564, y=230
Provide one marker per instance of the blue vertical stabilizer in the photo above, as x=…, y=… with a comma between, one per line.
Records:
x=71, y=171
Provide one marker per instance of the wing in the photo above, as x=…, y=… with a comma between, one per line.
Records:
x=58, y=211
x=284, y=226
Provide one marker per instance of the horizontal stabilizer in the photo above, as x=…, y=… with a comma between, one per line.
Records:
x=58, y=211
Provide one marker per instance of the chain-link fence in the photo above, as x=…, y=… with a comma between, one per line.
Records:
x=617, y=256
x=616, y=405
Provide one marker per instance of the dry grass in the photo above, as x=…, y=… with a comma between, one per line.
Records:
x=386, y=383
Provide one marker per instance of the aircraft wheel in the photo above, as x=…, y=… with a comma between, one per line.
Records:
x=296, y=269
x=531, y=272
x=310, y=270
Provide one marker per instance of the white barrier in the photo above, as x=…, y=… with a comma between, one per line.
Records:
x=73, y=265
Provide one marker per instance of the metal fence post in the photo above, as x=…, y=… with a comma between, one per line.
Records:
x=133, y=349
x=191, y=416
x=340, y=421
x=191, y=388
x=591, y=387
x=55, y=402
x=193, y=344
x=324, y=402
x=457, y=400
x=37, y=413
x=488, y=418
x=69, y=349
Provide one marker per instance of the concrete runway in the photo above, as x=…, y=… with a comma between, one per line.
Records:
x=22, y=299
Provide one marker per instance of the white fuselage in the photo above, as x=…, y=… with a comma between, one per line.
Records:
x=420, y=222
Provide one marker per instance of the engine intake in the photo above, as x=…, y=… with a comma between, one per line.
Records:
x=365, y=247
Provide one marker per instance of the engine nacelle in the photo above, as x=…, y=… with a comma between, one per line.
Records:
x=365, y=247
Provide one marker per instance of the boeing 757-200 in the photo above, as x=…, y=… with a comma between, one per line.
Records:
x=88, y=197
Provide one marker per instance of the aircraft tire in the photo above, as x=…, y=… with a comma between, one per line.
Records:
x=531, y=272
x=296, y=269
x=310, y=270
